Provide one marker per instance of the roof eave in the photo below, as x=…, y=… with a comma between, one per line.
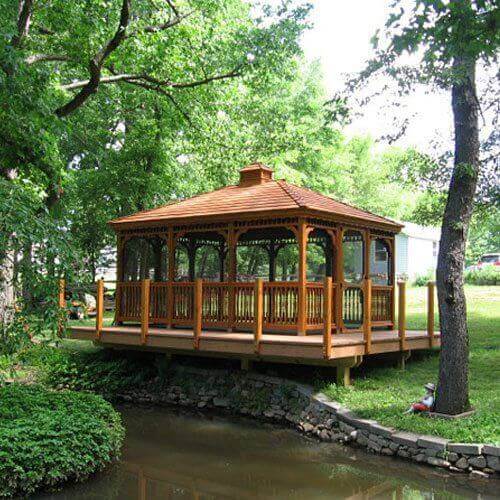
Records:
x=391, y=226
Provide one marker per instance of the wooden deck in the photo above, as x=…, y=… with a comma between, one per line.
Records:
x=273, y=347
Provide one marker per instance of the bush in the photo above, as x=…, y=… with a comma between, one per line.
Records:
x=103, y=371
x=423, y=279
x=486, y=276
x=48, y=437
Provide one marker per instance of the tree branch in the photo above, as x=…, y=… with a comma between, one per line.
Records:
x=164, y=26
x=23, y=21
x=95, y=64
x=156, y=83
x=35, y=58
x=104, y=79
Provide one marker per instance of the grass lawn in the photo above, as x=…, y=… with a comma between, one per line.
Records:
x=383, y=393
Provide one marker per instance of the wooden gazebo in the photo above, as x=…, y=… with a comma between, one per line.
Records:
x=329, y=269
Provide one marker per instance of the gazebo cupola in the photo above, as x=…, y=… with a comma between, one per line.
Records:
x=254, y=174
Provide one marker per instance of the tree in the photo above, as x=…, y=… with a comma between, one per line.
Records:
x=447, y=40
x=77, y=77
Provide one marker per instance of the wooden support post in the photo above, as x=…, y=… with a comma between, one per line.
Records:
x=366, y=254
x=403, y=357
x=343, y=375
x=402, y=316
x=339, y=277
x=61, y=302
x=246, y=364
x=392, y=244
x=367, y=315
x=258, y=313
x=99, y=306
x=344, y=366
x=327, y=318
x=302, y=305
x=145, y=289
x=430, y=313
x=170, y=275
x=232, y=240
x=198, y=311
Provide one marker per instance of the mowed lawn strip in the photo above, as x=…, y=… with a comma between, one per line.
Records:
x=384, y=393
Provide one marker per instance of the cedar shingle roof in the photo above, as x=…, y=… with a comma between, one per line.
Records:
x=257, y=192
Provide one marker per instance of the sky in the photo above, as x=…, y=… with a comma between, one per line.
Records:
x=340, y=40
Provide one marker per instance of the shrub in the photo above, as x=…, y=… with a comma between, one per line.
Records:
x=48, y=437
x=103, y=371
x=423, y=279
x=486, y=276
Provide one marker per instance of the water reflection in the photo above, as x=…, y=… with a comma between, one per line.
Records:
x=168, y=455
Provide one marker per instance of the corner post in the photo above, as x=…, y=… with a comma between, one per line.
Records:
x=366, y=254
x=302, y=309
x=232, y=240
x=327, y=318
x=61, y=302
x=170, y=275
x=145, y=289
x=402, y=316
x=120, y=257
x=367, y=315
x=430, y=313
x=198, y=310
x=339, y=276
x=258, y=313
x=392, y=243
x=99, y=309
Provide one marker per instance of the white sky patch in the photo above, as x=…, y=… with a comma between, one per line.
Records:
x=340, y=39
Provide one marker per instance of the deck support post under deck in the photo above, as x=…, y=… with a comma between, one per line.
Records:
x=344, y=366
x=246, y=364
x=402, y=357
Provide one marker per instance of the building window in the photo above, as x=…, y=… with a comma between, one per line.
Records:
x=434, y=248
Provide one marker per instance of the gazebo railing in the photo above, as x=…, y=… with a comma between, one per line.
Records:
x=382, y=304
x=232, y=305
x=281, y=304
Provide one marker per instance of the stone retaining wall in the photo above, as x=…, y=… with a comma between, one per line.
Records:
x=284, y=401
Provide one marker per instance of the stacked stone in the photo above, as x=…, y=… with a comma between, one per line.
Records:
x=282, y=401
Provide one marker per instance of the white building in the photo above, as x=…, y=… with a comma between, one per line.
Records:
x=416, y=250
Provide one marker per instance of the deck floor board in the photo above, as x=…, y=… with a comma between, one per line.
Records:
x=272, y=344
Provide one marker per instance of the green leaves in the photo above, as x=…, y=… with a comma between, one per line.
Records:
x=49, y=437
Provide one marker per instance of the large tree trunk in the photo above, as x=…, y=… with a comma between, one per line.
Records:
x=453, y=387
x=7, y=295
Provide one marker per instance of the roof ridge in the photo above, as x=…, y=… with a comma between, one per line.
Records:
x=284, y=186
x=344, y=203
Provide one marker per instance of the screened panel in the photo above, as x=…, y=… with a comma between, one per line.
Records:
x=380, y=262
x=145, y=258
x=352, y=246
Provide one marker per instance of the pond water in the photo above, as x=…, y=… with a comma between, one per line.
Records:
x=175, y=455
